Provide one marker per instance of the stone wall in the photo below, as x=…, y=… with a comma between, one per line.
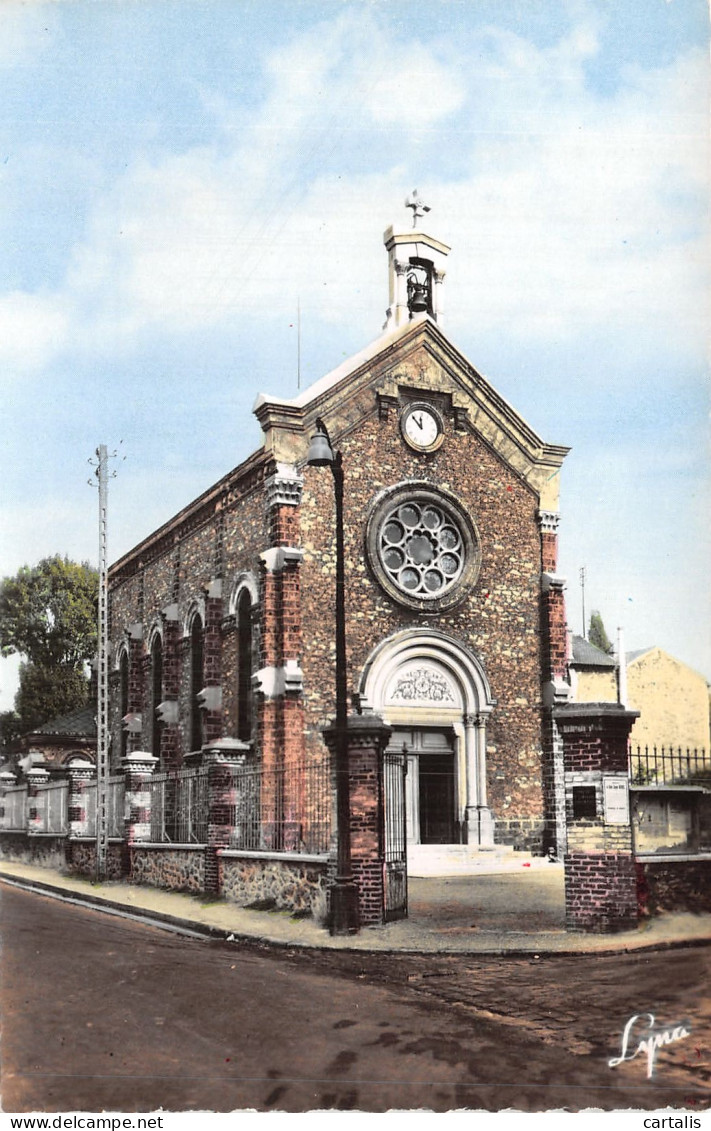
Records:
x=282, y=883
x=175, y=869
x=43, y=851
x=81, y=858
x=675, y=885
x=529, y=834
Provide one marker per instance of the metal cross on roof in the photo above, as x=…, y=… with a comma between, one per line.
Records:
x=418, y=206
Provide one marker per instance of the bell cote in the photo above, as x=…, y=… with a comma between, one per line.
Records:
x=416, y=270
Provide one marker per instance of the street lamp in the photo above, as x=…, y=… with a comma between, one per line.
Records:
x=344, y=893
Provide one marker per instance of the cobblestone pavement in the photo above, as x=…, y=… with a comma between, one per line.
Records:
x=575, y=1003
x=104, y=1012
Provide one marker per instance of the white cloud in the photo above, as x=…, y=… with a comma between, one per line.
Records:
x=33, y=328
x=567, y=211
x=25, y=29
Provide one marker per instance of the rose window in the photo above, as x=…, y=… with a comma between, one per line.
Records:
x=421, y=548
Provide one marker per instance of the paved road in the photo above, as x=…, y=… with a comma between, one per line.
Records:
x=105, y=1013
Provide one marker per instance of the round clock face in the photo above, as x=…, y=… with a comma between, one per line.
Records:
x=422, y=427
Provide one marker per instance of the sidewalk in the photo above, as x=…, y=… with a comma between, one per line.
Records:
x=513, y=913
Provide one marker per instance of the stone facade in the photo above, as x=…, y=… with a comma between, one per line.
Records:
x=189, y=666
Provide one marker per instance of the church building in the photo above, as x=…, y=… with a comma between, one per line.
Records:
x=222, y=621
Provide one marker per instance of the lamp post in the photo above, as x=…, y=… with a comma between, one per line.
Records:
x=344, y=894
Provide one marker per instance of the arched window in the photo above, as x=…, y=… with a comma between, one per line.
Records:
x=123, y=701
x=156, y=693
x=196, y=682
x=245, y=666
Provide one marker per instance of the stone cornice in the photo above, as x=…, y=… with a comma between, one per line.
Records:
x=272, y=682
x=284, y=487
x=278, y=557
x=548, y=521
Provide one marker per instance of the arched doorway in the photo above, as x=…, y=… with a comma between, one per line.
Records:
x=435, y=695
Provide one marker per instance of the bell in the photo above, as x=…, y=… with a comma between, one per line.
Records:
x=418, y=299
x=320, y=450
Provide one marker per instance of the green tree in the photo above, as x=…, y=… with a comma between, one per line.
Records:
x=48, y=616
x=10, y=730
x=597, y=634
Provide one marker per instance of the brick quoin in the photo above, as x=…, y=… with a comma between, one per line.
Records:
x=135, y=689
x=172, y=673
x=549, y=552
x=212, y=664
x=285, y=525
x=555, y=635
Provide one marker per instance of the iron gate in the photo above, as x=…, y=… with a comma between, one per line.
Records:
x=394, y=772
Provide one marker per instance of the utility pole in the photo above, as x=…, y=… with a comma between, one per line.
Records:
x=102, y=696
x=582, y=590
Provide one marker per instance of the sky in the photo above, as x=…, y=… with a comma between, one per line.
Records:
x=178, y=179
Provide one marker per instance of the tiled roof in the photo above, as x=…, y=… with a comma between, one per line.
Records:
x=588, y=655
x=81, y=723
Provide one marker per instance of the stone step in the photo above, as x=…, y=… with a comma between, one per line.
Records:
x=465, y=859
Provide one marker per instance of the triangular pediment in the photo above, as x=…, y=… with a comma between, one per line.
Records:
x=417, y=357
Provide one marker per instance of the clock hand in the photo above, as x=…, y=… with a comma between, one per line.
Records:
x=418, y=421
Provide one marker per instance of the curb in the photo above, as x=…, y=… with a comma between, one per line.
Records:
x=190, y=927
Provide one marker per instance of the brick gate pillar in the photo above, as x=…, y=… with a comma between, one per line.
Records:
x=138, y=770
x=221, y=759
x=7, y=780
x=600, y=879
x=36, y=799
x=81, y=776
x=367, y=738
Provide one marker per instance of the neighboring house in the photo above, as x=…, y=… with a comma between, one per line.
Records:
x=60, y=741
x=593, y=673
x=672, y=698
x=669, y=742
x=222, y=621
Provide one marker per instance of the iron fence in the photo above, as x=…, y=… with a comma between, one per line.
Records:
x=51, y=807
x=282, y=809
x=669, y=765
x=179, y=807
x=115, y=797
x=115, y=794
x=13, y=809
